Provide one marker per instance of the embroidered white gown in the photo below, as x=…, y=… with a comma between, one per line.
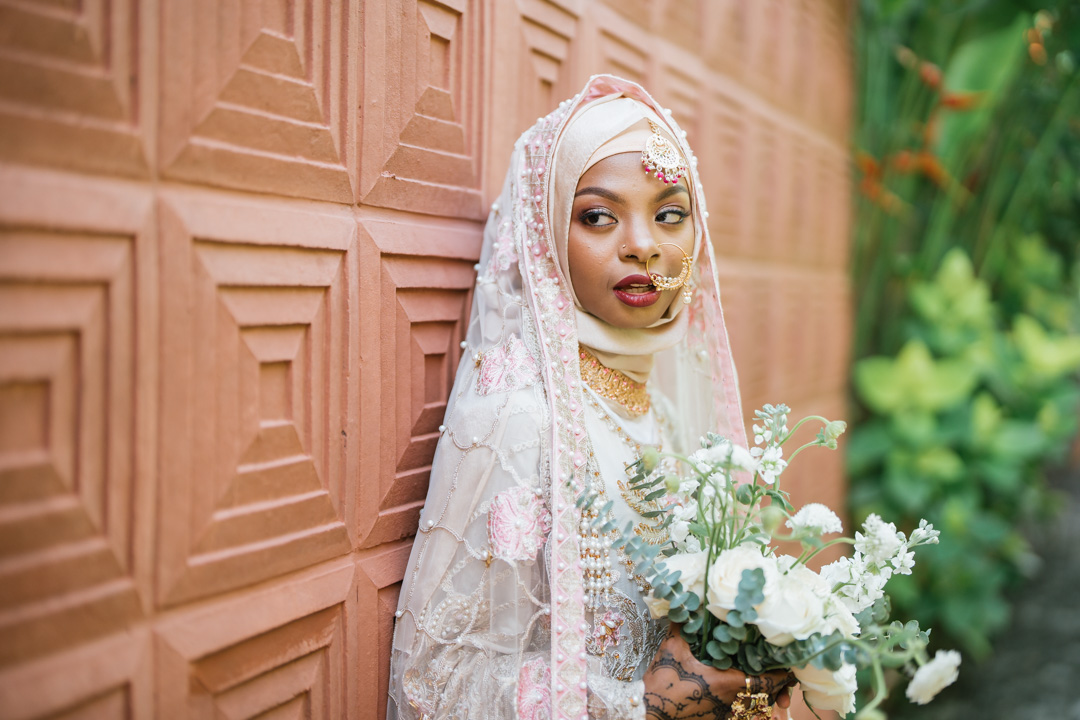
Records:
x=492, y=619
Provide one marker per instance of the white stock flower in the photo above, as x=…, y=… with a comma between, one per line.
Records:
x=726, y=573
x=741, y=459
x=680, y=525
x=815, y=519
x=925, y=534
x=794, y=607
x=762, y=435
x=881, y=541
x=934, y=676
x=826, y=689
x=719, y=480
x=771, y=463
x=903, y=562
x=838, y=616
x=723, y=454
x=692, y=576
x=860, y=585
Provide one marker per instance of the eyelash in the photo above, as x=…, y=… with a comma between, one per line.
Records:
x=682, y=215
x=589, y=216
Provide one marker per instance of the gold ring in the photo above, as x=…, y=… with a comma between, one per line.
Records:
x=671, y=283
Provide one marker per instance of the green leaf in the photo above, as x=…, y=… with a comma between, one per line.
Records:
x=714, y=649
x=721, y=632
x=913, y=380
x=678, y=615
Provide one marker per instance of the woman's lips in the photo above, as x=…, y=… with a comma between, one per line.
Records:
x=637, y=291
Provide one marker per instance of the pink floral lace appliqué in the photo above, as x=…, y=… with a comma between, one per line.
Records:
x=534, y=691
x=607, y=630
x=504, y=254
x=507, y=366
x=518, y=524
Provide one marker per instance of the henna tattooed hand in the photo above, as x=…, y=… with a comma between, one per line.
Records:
x=679, y=687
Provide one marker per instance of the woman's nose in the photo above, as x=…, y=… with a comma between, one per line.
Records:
x=640, y=246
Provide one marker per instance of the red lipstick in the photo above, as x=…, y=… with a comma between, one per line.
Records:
x=636, y=291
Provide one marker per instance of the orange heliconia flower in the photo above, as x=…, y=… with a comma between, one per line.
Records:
x=961, y=100
x=930, y=74
x=867, y=164
x=931, y=167
x=903, y=161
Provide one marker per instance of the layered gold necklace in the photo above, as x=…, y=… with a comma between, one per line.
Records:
x=614, y=385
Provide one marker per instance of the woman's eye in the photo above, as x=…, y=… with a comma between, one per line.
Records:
x=597, y=218
x=671, y=216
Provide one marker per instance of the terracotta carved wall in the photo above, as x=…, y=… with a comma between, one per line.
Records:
x=236, y=250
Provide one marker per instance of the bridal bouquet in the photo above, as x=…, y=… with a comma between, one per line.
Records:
x=742, y=604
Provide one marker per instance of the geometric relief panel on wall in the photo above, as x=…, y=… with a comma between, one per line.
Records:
x=257, y=356
x=724, y=174
x=424, y=274
x=725, y=24
x=422, y=66
x=378, y=585
x=547, y=28
x=622, y=48
x=68, y=379
x=70, y=86
x=276, y=653
x=261, y=95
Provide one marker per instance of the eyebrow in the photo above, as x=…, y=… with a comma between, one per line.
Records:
x=615, y=197
x=671, y=191
x=602, y=192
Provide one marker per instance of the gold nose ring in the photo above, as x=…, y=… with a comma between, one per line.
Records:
x=672, y=283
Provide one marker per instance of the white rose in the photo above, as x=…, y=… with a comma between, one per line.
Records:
x=794, y=609
x=825, y=689
x=934, y=676
x=726, y=573
x=692, y=576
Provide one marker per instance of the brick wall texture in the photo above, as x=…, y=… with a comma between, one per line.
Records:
x=236, y=250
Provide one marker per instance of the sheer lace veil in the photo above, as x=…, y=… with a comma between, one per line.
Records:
x=491, y=612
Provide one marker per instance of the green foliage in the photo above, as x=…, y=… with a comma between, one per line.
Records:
x=967, y=289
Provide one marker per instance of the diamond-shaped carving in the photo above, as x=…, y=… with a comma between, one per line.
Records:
x=421, y=129
x=255, y=442
x=277, y=652
x=423, y=274
x=723, y=166
x=71, y=86
x=69, y=372
x=726, y=25
x=378, y=583
x=260, y=94
x=110, y=677
x=533, y=40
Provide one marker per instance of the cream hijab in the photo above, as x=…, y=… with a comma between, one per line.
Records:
x=609, y=126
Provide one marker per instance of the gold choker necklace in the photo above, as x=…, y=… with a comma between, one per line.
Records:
x=614, y=385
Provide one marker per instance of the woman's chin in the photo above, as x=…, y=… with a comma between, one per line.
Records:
x=629, y=317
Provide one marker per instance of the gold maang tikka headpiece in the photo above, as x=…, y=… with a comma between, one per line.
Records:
x=661, y=155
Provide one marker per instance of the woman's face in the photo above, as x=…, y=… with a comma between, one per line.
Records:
x=619, y=218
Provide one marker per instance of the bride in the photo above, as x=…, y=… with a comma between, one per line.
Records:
x=596, y=329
